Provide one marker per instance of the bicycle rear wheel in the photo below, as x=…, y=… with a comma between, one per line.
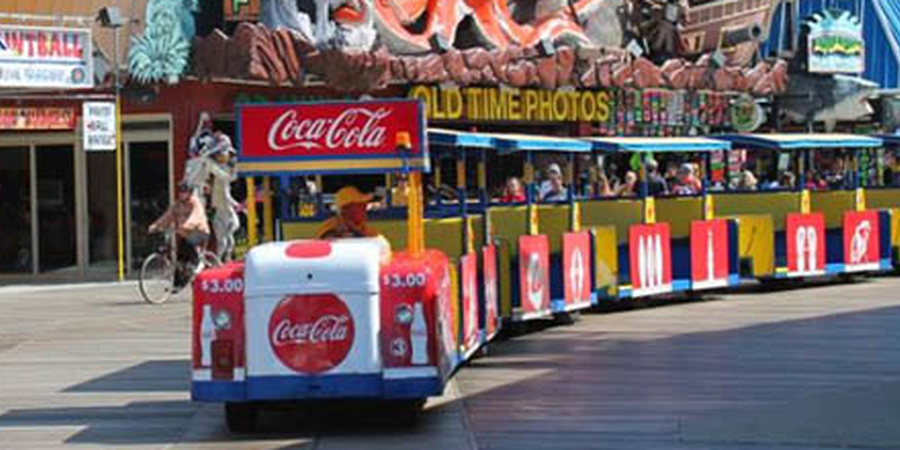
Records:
x=157, y=279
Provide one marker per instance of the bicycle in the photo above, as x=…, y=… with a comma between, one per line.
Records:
x=157, y=279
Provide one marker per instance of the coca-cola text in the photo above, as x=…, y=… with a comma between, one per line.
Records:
x=358, y=128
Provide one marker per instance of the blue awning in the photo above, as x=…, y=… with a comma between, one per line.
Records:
x=506, y=143
x=656, y=145
x=801, y=141
x=437, y=136
x=509, y=143
x=892, y=139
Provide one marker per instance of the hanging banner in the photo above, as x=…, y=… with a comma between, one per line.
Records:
x=861, y=241
x=43, y=57
x=805, y=235
x=332, y=137
x=836, y=43
x=99, y=123
x=534, y=276
x=577, y=270
x=650, y=255
x=709, y=254
x=37, y=118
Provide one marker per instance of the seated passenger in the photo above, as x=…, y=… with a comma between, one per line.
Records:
x=601, y=187
x=786, y=180
x=400, y=191
x=351, y=217
x=687, y=184
x=747, y=181
x=627, y=188
x=553, y=189
x=814, y=181
x=513, y=192
x=656, y=184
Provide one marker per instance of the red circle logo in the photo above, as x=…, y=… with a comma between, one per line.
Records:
x=311, y=333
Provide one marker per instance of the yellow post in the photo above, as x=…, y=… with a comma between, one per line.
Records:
x=649, y=210
x=860, y=199
x=414, y=223
x=120, y=213
x=532, y=208
x=268, y=213
x=482, y=175
x=251, y=212
x=461, y=173
x=805, y=205
x=709, y=209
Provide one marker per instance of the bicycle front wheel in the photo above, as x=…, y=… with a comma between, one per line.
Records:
x=157, y=279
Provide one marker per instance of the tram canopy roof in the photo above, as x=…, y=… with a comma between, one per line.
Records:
x=657, y=145
x=802, y=141
x=892, y=139
x=506, y=143
x=438, y=136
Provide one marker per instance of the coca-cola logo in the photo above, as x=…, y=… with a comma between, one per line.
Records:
x=859, y=244
x=357, y=128
x=535, y=281
x=311, y=333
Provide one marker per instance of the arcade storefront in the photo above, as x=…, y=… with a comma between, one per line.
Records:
x=58, y=202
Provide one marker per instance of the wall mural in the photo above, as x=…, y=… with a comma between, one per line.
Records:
x=363, y=45
x=162, y=52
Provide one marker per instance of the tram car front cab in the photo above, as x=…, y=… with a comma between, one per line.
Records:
x=319, y=320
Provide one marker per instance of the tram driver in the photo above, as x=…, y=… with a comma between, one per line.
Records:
x=351, y=219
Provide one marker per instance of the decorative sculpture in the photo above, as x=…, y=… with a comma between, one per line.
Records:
x=211, y=157
x=162, y=52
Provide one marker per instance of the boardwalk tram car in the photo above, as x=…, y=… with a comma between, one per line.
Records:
x=390, y=318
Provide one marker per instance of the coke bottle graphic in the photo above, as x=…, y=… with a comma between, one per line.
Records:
x=643, y=262
x=207, y=334
x=418, y=334
x=658, y=261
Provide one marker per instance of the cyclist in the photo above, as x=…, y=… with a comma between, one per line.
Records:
x=188, y=216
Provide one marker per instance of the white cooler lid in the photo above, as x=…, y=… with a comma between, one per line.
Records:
x=340, y=266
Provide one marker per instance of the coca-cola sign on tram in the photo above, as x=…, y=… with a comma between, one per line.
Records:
x=311, y=333
x=332, y=137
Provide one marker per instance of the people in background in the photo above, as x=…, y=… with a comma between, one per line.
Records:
x=814, y=181
x=747, y=181
x=601, y=187
x=786, y=180
x=351, y=219
x=553, y=190
x=656, y=184
x=628, y=187
x=513, y=191
x=400, y=191
x=687, y=183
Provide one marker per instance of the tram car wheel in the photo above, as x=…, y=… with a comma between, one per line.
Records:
x=241, y=417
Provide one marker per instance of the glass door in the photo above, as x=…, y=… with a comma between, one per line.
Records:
x=57, y=237
x=101, y=209
x=15, y=211
x=148, y=177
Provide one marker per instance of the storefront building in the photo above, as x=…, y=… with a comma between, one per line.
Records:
x=58, y=200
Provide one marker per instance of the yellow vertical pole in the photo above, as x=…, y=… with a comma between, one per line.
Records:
x=120, y=213
x=268, y=213
x=531, y=207
x=251, y=212
x=414, y=223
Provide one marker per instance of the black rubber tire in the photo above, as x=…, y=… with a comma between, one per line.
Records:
x=241, y=417
x=157, y=279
